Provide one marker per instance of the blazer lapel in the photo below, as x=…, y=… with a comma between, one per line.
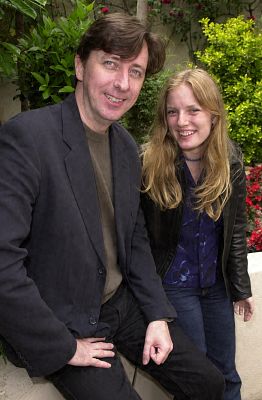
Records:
x=81, y=175
x=121, y=182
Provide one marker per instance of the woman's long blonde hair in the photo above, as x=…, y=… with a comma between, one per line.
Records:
x=161, y=153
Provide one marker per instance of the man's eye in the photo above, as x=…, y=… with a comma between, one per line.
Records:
x=136, y=73
x=110, y=64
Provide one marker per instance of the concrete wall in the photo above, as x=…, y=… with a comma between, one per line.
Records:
x=249, y=348
x=8, y=106
x=16, y=385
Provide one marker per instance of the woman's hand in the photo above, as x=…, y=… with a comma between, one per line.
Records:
x=245, y=307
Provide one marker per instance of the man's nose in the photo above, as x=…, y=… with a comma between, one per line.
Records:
x=122, y=80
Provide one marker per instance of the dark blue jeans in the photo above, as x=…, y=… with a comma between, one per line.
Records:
x=207, y=317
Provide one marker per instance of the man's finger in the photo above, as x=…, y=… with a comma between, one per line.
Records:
x=95, y=362
x=103, y=353
x=146, y=354
x=94, y=339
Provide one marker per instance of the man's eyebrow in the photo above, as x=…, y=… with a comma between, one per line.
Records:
x=139, y=66
x=111, y=55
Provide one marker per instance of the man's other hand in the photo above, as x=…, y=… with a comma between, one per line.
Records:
x=158, y=343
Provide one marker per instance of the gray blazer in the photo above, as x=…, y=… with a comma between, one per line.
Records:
x=52, y=259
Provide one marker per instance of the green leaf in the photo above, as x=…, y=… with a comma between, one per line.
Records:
x=57, y=68
x=90, y=7
x=42, y=88
x=12, y=48
x=66, y=89
x=55, y=98
x=24, y=7
x=39, y=78
x=35, y=48
x=46, y=94
x=7, y=64
x=27, y=7
x=38, y=2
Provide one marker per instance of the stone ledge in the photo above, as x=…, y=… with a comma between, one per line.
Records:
x=16, y=385
x=248, y=334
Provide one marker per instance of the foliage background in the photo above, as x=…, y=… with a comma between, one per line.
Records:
x=233, y=55
x=45, y=56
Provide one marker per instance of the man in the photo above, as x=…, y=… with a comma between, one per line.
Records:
x=77, y=277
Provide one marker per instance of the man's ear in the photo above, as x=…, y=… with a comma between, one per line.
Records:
x=79, y=69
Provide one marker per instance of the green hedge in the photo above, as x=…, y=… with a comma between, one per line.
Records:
x=234, y=57
x=44, y=58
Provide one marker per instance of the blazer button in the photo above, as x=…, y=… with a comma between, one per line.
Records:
x=92, y=320
x=101, y=271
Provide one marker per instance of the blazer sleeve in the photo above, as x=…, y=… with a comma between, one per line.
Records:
x=40, y=341
x=144, y=281
x=142, y=276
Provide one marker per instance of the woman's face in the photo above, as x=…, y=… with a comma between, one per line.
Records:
x=187, y=121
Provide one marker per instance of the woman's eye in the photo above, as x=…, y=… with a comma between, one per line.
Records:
x=171, y=112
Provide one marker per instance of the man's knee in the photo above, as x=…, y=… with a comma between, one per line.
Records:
x=215, y=383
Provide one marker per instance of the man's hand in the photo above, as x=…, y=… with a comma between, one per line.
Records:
x=245, y=307
x=158, y=343
x=90, y=350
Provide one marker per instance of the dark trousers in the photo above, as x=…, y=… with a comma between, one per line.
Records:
x=207, y=317
x=186, y=374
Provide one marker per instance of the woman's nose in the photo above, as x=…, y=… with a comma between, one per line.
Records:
x=182, y=118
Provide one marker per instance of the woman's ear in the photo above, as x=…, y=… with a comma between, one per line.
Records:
x=213, y=120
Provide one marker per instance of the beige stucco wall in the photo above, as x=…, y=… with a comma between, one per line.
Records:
x=8, y=106
x=249, y=348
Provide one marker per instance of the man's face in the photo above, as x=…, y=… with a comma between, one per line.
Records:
x=108, y=86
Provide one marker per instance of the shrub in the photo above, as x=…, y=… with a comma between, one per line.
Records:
x=234, y=57
x=45, y=57
x=183, y=16
x=254, y=208
x=255, y=240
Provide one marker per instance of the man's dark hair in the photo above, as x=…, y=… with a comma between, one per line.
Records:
x=123, y=35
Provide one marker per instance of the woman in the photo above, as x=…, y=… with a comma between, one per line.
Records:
x=194, y=204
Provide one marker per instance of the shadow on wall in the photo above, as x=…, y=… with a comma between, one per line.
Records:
x=8, y=105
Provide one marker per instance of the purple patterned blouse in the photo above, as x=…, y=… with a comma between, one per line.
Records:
x=195, y=262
